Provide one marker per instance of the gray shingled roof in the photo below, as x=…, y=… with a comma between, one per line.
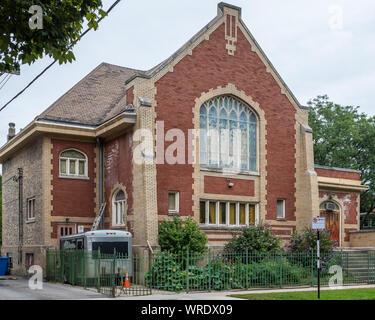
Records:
x=95, y=99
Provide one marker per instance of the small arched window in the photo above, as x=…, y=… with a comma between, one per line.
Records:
x=118, y=208
x=73, y=163
x=329, y=206
x=228, y=134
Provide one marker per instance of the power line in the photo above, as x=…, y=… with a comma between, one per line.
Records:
x=52, y=63
x=5, y=81
x=4, y=78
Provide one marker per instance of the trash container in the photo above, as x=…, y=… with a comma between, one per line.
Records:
x=3, y=265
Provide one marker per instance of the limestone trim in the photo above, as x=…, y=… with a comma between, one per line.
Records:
x=47, y=189
x=341, y=184
x=38, y=127
x=261, y=185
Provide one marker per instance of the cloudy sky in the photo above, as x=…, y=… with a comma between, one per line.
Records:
x=318, y=47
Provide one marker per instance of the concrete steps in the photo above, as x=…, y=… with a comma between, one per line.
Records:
x=359, y=265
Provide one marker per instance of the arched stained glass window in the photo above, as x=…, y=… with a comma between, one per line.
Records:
x=228, y=134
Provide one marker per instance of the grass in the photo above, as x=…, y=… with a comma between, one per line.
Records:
x=344, y=294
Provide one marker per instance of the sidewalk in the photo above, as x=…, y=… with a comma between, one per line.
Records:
x=224, y=295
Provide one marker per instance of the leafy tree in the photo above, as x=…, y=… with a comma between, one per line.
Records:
x=345, y=137
x=62, y=25
x=254, y=238
x=176, y=237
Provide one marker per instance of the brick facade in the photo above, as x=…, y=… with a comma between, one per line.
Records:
x=219, y=60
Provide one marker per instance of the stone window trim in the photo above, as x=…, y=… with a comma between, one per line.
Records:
x=77, y=159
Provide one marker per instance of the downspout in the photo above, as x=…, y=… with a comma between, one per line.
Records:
x=20, y=214
x=100, y=143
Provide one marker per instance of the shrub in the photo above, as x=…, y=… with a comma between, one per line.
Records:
x=176, y=237
x=305, y=241
x=254, y=238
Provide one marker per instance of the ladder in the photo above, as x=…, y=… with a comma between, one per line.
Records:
x=98, y=217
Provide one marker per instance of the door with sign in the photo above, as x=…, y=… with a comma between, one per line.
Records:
x=331, y=212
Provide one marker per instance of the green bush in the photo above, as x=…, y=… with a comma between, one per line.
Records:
x=169, y=273
x=176, y=237
x=305, y=241
x=254, y=239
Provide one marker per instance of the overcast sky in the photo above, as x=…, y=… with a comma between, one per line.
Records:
x=318, y=47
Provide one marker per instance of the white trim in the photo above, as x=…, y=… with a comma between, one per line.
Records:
x=67, y=166
x=115, y=205
x=176, y=202
x=277, y=206
x=28, y=218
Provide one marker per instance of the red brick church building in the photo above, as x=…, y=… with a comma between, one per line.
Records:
x=212, y=132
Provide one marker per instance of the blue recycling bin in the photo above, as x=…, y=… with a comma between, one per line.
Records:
x=3, y=266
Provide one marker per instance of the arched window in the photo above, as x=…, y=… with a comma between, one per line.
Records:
x=73, y=163
x=118, y=208
x=228, y=134
x=329, y=206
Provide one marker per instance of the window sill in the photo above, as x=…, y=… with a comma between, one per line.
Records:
x=74, y=177
x=119, y=226
x=281, y=219
x=173, y=213
x=30, y=221
x=231, y=172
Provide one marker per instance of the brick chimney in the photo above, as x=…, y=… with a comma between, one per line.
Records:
x=11, y=131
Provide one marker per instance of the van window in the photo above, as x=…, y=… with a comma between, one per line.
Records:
x=110, y=247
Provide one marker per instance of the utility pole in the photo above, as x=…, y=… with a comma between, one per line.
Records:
x=19, y=179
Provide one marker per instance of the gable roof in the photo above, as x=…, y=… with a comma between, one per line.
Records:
x=93, y=100
x=150, y=73
x=101, y=94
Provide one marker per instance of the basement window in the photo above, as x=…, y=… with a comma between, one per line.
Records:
x=73, y=163
x=227, y=213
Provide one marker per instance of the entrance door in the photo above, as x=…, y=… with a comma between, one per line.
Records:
x=29, y=260
x=331, y=212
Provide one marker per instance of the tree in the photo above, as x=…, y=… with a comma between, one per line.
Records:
x=62, y=24
x=344, y=137
x=176, y=237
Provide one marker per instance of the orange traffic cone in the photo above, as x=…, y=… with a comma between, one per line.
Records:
x=126, y=281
